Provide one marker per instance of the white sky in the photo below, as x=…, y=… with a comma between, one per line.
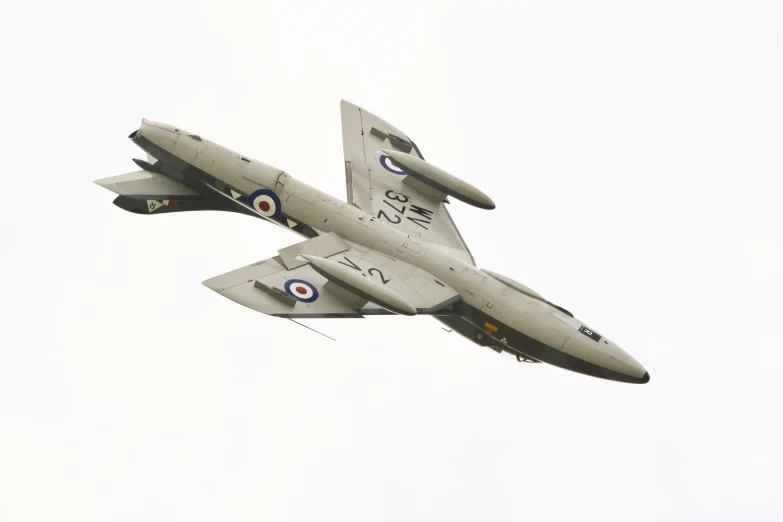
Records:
x=634, y=153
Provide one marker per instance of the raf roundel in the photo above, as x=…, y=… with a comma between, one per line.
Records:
x=266, y=203
x=389, y=165
x=301, y=290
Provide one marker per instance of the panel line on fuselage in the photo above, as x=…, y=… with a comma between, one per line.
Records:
x=196, y=178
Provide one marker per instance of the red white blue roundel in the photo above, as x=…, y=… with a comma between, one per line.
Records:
x=389, y=165
x=265, y=202
x=301, y=290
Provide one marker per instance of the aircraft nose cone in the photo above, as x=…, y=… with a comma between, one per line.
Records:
x=633, y=369
x=637, y=371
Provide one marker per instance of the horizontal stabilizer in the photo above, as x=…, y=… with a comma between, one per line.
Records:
x=147, y=192
x=142, y=205
x=144, y=184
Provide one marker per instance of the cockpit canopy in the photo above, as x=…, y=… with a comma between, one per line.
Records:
x=516, y=285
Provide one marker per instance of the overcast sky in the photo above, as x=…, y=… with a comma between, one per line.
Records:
x=634, y=153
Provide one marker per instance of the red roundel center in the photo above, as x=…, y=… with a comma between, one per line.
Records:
x=264, y=206
x=301, y=290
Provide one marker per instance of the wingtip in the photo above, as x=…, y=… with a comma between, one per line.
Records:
x=345, y=104
x=210, y=283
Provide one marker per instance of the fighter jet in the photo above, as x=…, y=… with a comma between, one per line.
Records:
x=391, y=248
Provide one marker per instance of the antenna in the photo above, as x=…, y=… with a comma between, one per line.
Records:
x=312, y=329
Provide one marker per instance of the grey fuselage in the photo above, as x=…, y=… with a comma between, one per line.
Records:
x=489, y=309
